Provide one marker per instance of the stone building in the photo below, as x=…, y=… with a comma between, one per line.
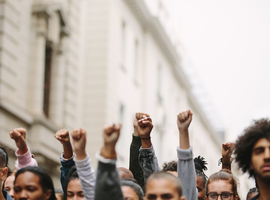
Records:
x=87, y=63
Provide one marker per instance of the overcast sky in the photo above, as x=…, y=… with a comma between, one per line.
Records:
x=228, y=42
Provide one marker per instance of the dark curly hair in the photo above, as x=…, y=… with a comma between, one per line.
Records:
x=245, y=143
x=169, y=166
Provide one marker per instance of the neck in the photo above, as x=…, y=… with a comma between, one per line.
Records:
x=264, y=189
x=2, y=196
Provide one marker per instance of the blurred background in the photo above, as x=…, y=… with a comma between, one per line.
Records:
x=87, y=63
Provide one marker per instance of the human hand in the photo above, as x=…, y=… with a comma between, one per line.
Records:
x=79, y=142
x=183, y=120
x=110, y=135
x=63, y=136
x=145, y=127
x=138, y=116
x=227, y=150
x=19, y=136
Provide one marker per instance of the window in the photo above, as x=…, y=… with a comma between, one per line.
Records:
x=123, y=45
x=136, y=61
x=47, y=78
x=159, y=83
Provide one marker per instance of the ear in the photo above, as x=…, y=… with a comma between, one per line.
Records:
x=3, y=174
x=48, y=194
x=182, y=198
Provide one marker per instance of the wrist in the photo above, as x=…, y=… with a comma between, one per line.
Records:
x=80, y=155
x=146, y=143
x=108, y=153
x=23, y=150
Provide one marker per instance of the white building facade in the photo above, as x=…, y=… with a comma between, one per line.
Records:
x=87, y=63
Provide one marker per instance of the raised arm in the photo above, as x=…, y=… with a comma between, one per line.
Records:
x=23, y=153
x=83, y=164
x=108, y=182
x=135, y=145
x=66, y=157
x=227, y=150
x=147, y=157
x=185, y=168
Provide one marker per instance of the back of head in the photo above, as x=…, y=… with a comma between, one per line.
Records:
x=44, y=178
x=225, y=175
x=134, y=185
x=200, y=167
x=167, y=176
x=245, y=143
x=124, y=173
x=169, y=166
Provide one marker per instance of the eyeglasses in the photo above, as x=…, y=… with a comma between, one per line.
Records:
x=223, y=195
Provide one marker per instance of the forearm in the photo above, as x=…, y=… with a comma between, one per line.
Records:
x=186, y=173
x=148, y=162
x=87, y=177
x=184, y=139
x=24, y=160
x=68, y=152
x=107, y=182
x=134, y=165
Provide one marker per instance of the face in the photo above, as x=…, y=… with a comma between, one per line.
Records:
x=220, y=186
x=9, y=187
x=129, y=193
x=27, y=186
x=158, y=189
x=200, y=187
x=74, y=190
x=260, y=160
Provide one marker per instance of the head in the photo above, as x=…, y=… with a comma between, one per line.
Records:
x=163, y=185
x=3, y=164
x=124, y=173
x=201, y=178
x=170, y=167
x=131, y=189
x=222, y=182
x=8, y=184
x=252, y=150
x=59, y=194
x=33, y=183
x=252, y=193
x=73, y=188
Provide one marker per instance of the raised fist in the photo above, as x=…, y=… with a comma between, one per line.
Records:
x=19, y=136
x=227, y=150
x=145, y=127
x=138, y=116
x=63, y=136
x=183, y=120
x=79, y=142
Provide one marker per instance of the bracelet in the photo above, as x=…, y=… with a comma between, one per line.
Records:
x=220, y=161
x=146, y=138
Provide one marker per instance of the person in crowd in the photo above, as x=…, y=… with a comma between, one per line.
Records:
x=73, y=189
x=252, y=193
x=33, y=183
x=201, y=178
x=131, y=190
x=185, y=165
x=66, y=157
x=24, y=158
x=163, y=185
x=83, y=163
x=222, y=184
x=252, y=153
x=23, y=153
x=3, y=172
x=108, y=181
x=134, y=165
x=8, y=184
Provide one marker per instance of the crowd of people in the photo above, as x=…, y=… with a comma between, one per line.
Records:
x=177, y=180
